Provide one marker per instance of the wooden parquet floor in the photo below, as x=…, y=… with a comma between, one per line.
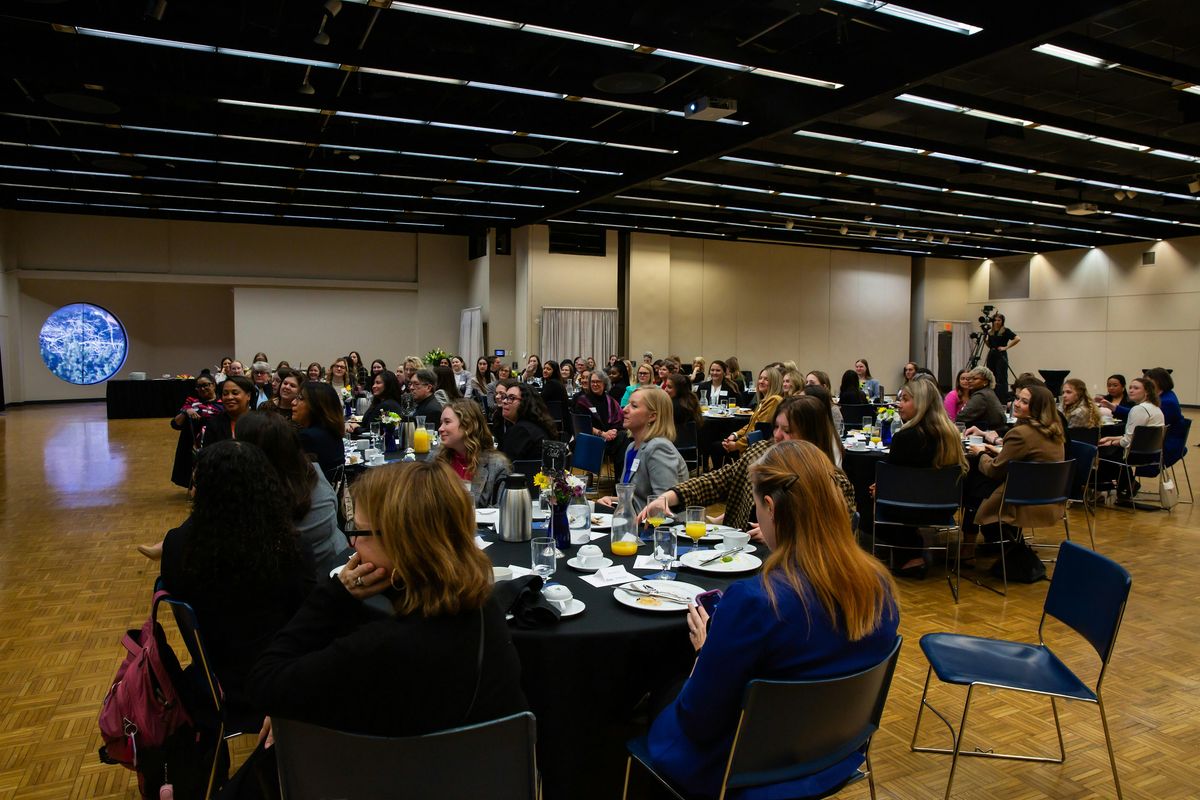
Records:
x=78, y=492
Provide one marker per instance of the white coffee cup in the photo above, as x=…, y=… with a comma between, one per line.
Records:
x=974, y=439
x=376, y=460
x=590, y=555
x=371, y=452
x=557, y=595
x=501, y=574
x=734, y=539
x=362, y=444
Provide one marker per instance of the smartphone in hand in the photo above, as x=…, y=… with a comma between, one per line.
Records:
x=708, y=600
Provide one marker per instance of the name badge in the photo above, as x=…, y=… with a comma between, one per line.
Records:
x=637, y=462
x=592, y=409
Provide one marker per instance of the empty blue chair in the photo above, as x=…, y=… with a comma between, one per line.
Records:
x=1088, y=594
x=589, y=453
x=754, y=436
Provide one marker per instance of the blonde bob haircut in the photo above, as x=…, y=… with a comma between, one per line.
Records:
x=774, y=382
x=425, y=523
x=658, y=403
x=814, y=544
x=414, y=362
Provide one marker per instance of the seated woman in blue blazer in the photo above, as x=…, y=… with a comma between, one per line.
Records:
x=821, y=608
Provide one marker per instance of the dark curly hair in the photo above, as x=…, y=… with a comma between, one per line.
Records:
x=278, y=439
x=532, y=408
x=242, y=529
x=391, y=389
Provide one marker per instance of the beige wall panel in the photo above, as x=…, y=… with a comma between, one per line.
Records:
x=1069, y=273
x=1176, y=267
x=1146, y=312
x=171, y=328
x=442, y=292
x=567, y=281
x=522, y=318
x=724, y=289
x=977, y=285
x=502, y=289
x=869, y=307
x=808, y=298
x=79, y=242
x=686, y=314
x=945, y=289
x=1129, y=353
x=1082, y=352
x=303, y=325
x=650, y=280
x=1077, y=314
x=201, y=248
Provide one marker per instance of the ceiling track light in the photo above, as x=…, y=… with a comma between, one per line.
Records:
x=844, y=230
x=1194, y=185
x=873, y=233
x=155, y=9
x=332, y=7
x=305, y=86
x=322, y=38
x=900, y=235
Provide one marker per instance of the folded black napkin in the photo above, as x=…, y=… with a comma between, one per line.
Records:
x=522, y=597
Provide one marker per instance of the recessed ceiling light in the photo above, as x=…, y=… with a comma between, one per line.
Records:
x=1075, y=56
x=912, y=15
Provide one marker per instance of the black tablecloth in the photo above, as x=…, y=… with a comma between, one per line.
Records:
x=859, y=466
x=584, y=676
x=136, y=399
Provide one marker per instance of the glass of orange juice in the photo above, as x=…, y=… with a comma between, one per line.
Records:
x=694, y=525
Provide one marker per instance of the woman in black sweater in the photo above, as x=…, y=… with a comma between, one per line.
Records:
x=850, y=392
x=318, y=412
x=927, y=439
x=421, y=668
x=524, y=421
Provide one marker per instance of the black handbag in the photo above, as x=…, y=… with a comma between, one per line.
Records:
x=1021, y=562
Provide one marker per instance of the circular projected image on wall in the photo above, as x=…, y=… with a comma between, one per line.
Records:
x=82, y=343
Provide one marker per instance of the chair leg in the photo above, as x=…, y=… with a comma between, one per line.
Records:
x=1191, y=497
x=625, y=788
x=962, y=728
x=1112, y=758
x=870, y=774
x=955, y=584
x=1062, y=750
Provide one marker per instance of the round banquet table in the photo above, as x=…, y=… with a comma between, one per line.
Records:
x=713, y=429
x=859, y=466
x=584, y=676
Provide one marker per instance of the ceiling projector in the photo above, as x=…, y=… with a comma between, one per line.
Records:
x=710, y=108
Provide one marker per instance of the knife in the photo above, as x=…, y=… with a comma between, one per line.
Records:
x=722, y=554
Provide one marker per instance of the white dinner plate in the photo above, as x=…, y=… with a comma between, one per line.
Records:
x=573, y=563
x=679, y=588
x=742, y=562
x=601, y=522
x=487, y=515
x=712, y=533
x=575, y=606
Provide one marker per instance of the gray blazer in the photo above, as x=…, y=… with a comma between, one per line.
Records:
x=493, y=468
x=319, y=530
x=660, y=468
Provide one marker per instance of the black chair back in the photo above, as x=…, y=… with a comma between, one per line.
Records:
x=779, y=738
x=528, y=468
x=1038, y=483
x=1084, y=455
x=317, y=763
x=853, y=415
x=1145, y=447
x=1088, y=593
x=767, y=429
x=927, y=496
x=581, y=423
x=687, y=442
x=1089, y=435
x=211, y=712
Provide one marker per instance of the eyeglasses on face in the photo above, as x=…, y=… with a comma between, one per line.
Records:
x=509, y=398
x=354, y=535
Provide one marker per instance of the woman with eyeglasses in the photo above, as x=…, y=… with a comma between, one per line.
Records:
x=340, y=377
x=821, y=608
x=524, y=421
x=643, y=376
x=196, y=409
x=604, y=414
x=442, y=659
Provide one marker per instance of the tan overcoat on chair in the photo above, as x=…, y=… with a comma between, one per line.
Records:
x=1023, y=443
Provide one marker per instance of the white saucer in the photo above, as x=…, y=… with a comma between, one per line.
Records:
x=576, y=606
x=574, y=564
x=601, y=521
x=336, y=570
x=746, y=548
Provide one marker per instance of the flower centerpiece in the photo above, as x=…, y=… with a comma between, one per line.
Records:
x=563, y=488
x=435, y=355
x=888, y=420
x=390, y=421
x=886, y=414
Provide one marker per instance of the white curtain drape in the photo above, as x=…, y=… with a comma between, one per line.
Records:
x=570, y=332
x=470, y=336
x=960, y=344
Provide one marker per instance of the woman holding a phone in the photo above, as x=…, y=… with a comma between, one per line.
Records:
x=822, y=607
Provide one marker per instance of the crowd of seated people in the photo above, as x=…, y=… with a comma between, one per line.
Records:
x=263, y=441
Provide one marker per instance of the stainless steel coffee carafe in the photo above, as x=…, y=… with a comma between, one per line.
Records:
x=515, y=520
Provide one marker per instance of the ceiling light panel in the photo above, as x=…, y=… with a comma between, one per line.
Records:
x=691, y=58
x=913, y=15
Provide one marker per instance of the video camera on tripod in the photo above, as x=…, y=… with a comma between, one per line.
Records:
x=979, y=337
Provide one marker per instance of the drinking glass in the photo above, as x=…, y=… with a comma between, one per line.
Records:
x=657, y=517
x=867, y=422
x=665, y=545
x=694, y=525
x=544, y=556
x=962, y=429
x=376, y=432
x=704, y=398
x=731, y=403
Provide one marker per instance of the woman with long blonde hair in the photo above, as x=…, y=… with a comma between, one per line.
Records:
x=444, y=659
x=821, y=608
x=1078, y=406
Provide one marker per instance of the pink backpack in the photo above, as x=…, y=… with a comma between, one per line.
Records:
x=144, y=705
